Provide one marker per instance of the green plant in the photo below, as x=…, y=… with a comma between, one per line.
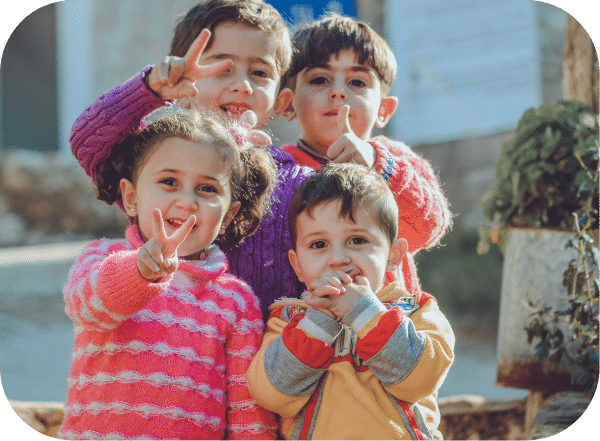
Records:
x=541, y=172
x=580, y=352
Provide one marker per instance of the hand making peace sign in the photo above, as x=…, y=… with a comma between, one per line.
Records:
x=158, y=257
x=349, y=147
x=173, y=78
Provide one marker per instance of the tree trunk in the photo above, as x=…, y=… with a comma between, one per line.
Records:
x=580, y=66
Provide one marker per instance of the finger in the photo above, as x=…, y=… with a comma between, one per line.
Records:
x=176, y=69
x=345, y=156
x=171, y=264
x=327, y=290
x=162, y=67
x=195, y=50
x=181, y=233
x=213, y=69
x=320, y=303
x=342, y=120
x=362, y=280
x=158, y=227
x=146, y=259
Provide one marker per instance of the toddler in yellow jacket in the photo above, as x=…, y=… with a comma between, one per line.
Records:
x=354, y=359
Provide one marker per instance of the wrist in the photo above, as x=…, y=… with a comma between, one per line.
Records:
x=363, y=312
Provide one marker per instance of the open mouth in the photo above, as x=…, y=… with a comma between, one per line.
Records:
x=236, y=109
x=176, y=223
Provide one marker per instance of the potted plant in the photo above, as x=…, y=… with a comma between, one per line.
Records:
x=546, y=183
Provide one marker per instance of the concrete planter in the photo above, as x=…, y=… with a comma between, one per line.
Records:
x=534, y=263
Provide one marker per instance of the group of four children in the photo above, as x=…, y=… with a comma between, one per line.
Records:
x=223, y=234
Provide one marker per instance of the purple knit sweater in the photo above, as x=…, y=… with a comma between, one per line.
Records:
x=261, y=260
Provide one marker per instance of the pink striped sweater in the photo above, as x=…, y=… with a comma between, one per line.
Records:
x=161, y=360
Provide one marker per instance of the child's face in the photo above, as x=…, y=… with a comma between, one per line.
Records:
x=321, y=91
x=182, y=178
x=327, y=242
x=253, y=80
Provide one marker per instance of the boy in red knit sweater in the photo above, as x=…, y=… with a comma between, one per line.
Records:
x=341, y=74
x=356, y=359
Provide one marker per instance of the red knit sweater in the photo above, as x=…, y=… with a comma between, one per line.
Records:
x=424, y=213
x=160, y=360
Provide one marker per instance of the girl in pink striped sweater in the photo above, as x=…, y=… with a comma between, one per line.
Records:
x=163, y=334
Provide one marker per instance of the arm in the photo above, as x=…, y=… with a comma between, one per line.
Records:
x=409, y=356
x=417, y=191
x=245, y=419
x=110, y=119
x=105, y=287
x=295, y=353
x=117, y=113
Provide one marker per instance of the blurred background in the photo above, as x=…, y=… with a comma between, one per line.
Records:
x=468, y=69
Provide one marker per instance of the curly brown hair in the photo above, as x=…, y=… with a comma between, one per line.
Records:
x=252, y=171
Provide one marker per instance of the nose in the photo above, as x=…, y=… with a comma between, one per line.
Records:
x=338, y=91
x=338, y=257
x=186, y=201
x=240, y=83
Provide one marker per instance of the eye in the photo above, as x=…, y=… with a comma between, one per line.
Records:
x=260, y=73
x=207, y=188
x=358, y=240
x=357, y=83
x=169, y=182
x=318, y=244
x=318, y=80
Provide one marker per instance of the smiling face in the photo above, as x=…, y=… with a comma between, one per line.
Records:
x=325, y=241
x=253, y=80
x=321, y=90
x=181, y=178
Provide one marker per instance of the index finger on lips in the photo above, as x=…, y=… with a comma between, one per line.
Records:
x=343, y=121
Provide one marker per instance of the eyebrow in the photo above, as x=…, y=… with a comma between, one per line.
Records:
x=353, y=68
x=173, y=171
x=224, y=56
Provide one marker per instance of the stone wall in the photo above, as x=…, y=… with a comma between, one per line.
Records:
x=463, y=417
x=466, y=417
x=46, y=198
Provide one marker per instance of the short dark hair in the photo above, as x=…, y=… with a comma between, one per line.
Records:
x=252, y=171
x=316, y=41
x=354, y=186
x=208, y=14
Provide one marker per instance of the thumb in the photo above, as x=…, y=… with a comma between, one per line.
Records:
x=343, y=122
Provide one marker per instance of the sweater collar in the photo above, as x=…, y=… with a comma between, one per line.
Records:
x=212, y=265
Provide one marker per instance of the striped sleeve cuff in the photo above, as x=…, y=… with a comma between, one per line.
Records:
x=319, y=325
x=363, y=312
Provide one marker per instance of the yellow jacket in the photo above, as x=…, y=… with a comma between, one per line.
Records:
x=374, y=376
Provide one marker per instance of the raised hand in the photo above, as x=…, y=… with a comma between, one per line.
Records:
x=349, y=147
x=158, y=257
x=173, y=78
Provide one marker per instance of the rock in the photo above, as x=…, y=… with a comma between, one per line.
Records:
x=44, y=417
x=558, y=413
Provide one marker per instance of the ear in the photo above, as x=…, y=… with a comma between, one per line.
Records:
x=386, y=109
x=398, y=250
x=282, y=102
x=289, y=112
x=233, y=210
x=129, y=197
x=293, y=257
